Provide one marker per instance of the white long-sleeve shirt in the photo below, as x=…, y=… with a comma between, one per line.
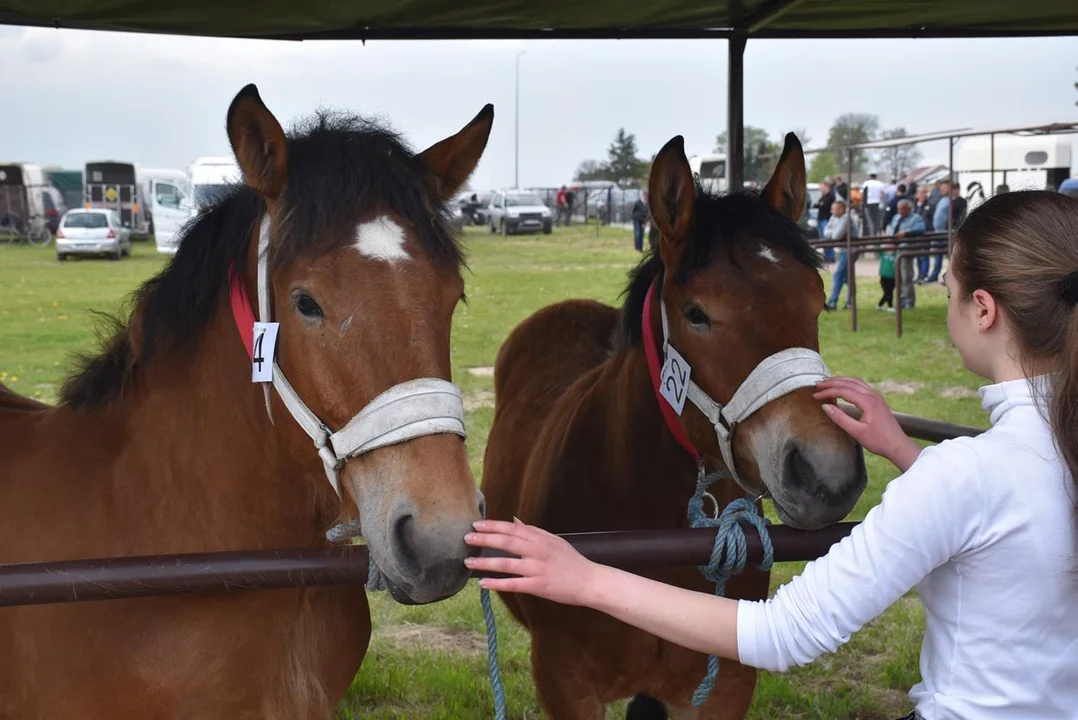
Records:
x=984, y=529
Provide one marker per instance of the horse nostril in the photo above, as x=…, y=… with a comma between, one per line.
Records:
x=798, y=471
x=482, y=504
x=404, y=537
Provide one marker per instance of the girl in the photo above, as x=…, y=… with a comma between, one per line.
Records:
x=983, y=528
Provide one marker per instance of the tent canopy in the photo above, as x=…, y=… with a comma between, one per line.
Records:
x=454, y=19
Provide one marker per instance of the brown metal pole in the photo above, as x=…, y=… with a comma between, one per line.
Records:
x=851, y=262
x=116, y=578
x=899, y=257
x=923, y=428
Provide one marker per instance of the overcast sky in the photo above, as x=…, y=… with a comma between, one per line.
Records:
x=72, y=96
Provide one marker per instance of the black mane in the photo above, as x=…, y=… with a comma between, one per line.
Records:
x=339, y=167
x=720, y=222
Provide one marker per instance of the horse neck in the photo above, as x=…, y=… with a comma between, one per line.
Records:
x=207, y=459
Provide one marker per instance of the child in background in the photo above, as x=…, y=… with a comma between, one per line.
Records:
x=887, y=279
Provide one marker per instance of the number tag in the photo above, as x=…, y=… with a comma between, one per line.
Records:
x=264, y=347
x=674, y=381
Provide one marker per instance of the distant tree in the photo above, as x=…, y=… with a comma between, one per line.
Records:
x=761, y=153
x=623, y=165
x=900, y=159
x=850, y=129
x=823, y=165
x=591, y=170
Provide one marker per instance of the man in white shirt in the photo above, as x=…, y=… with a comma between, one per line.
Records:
x=872, y=190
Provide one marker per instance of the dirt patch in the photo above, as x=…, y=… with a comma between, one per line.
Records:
x=411, y=636
x=484, y=371
x=478, y=399
x=955, y=393
x=894, y=387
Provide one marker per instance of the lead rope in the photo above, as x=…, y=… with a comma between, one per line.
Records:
x=346, y=531
x=729, y=554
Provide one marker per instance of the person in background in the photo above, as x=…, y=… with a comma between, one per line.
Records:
x=569, y=197
x=640, y=217
x=941, y=221
x=559, y=206
x=984, y=529
x=923, y=208
x=892, y=205
x=887, y=279
x=872, y=194
x=842, y=190
x=836, y=229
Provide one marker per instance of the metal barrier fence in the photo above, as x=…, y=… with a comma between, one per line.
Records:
x=115, y=578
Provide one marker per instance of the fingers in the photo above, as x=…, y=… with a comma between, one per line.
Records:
x=498, y=541
x=501, y=565
x=515, y=585
x=844, y=421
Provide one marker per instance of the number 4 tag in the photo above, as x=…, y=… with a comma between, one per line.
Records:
x=674, y=381
x=265, y=344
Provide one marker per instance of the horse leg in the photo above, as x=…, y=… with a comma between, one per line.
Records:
x=730, y=699
x=565, y=691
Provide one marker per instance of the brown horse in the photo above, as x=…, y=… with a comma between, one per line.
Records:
x=579, y=441
x=163, y=444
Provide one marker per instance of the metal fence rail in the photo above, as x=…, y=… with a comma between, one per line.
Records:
x=131, y=577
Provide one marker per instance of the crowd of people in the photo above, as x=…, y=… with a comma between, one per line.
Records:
x=901, y=210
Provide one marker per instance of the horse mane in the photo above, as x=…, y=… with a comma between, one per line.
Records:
x=731, y=222
x=339, y=167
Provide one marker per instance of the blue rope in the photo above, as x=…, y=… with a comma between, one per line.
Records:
x=728, y=555
x=494, y=671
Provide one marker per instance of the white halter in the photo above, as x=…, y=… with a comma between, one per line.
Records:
x=776, y=375
x=412, y=409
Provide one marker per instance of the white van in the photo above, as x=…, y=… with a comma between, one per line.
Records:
x=1036, y=162
x=211, y=178
x=169, y=196
x=712, y=172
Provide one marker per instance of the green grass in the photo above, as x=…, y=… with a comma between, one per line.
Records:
x=430, y=662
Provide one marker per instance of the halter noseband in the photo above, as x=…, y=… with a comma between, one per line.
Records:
x=776, y=376
x=411, y=409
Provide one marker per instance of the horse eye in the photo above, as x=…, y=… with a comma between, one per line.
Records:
x=696, y=316
x=307, y=307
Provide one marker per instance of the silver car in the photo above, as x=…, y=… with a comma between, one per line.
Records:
x=92, y=231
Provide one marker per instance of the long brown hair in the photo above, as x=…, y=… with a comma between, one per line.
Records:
x=1022, y=247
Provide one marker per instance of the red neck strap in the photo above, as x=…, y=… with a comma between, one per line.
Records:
x=651, y=352
x=242, y=312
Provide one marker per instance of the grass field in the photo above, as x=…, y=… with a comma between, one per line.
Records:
x=430, y=662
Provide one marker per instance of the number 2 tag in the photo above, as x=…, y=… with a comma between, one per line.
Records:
x=264, y=347
x=674, y=381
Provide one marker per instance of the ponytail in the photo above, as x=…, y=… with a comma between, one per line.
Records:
x=1022, y=248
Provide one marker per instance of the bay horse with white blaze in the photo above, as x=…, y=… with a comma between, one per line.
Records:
x=163, y=444
x=583, y=441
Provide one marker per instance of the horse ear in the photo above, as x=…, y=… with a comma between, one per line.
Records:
x=258, y=143
x=671, y=192
x=786, y=189
x=454, y=159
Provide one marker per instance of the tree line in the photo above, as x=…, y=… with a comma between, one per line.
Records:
x=624, y=166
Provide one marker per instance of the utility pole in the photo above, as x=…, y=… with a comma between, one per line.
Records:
x=516, y=140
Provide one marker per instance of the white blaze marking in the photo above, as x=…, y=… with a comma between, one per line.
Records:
x=766, y=254
x=381, y=239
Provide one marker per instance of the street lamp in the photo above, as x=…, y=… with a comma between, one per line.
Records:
x=516, y=140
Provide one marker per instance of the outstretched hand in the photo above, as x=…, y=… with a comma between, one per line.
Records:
x=877, y=430
x=547, y=566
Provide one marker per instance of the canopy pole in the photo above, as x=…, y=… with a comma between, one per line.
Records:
x=735, y=112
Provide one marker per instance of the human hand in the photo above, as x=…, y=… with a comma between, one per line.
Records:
x=547, y=566
x=877, y=430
